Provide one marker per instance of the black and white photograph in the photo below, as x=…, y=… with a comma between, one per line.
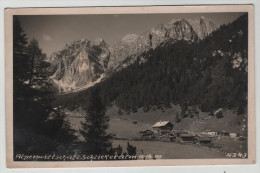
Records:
x=130, y=87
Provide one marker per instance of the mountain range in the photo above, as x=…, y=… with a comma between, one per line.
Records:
x=83, y=63
x=211, y=73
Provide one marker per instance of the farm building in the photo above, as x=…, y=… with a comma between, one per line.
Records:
x=203, y=140
x=242, y=138
x=233, y=135
x=147, y=135
x=167, y=137
x=178, y=132
x=223, y=133
x=219, y=113
x=187, y=138
x=162, y=126
x=210, y=133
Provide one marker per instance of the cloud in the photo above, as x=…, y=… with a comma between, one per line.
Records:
x=46, y=37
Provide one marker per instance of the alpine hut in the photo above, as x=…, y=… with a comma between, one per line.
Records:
x=162, y=126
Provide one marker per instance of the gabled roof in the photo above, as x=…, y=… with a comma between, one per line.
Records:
x=161, y=123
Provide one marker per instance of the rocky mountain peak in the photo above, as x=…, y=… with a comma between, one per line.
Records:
x=182, y=30
x=203, y=26
x=80, y=64
x=129, y=38
x=173, y=21
x=100, y=42
x=132, y=44
x=84, y=62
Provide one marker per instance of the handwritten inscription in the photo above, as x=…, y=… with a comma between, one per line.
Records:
x=54, y=157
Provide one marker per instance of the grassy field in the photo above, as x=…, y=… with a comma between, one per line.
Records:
x=230, y=122
x=127, y=126
x=123, y=125
x=230, y=145
x=169, y=150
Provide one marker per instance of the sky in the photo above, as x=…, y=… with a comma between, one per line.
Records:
x=54, y=31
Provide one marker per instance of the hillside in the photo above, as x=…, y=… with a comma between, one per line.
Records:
x=122, y=124
x=210, y=74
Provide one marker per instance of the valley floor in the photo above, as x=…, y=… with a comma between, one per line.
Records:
x=169, y=150
x=127, y=126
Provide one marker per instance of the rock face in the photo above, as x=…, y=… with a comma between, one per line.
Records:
x=133, y=45
x=203, y=26
x=83, y=63
x=80, y=64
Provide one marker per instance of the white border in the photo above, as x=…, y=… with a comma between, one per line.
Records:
x=126, y=10
x=64, y=3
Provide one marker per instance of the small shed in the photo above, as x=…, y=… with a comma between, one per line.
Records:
x=162, y=126
x=212, y=133
x=242, y=138
x=233, y=135
x=223, y=133
x=219, y=113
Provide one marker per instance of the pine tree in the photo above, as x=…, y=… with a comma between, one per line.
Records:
x=20, y=75
x=38, y=66
x=96, y=140
x=38, y=128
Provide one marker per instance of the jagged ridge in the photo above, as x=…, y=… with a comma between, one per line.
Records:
x=83, y=63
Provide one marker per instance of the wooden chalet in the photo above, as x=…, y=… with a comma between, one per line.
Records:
x=162, y=127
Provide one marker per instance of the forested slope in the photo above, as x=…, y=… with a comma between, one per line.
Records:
x=211, y=74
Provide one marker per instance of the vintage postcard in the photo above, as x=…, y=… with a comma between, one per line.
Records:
x=130, y=86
